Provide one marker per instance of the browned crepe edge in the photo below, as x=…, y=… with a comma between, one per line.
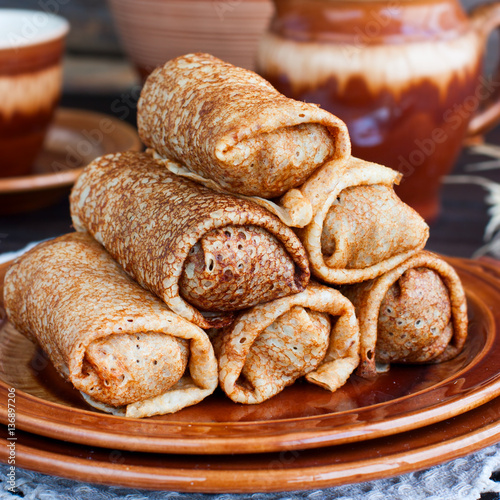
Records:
x=323, y=189
x=202, y=365
x=252, y=214
x=293, y=209
x=281, y=112
x=340, y=360
x=369, y=301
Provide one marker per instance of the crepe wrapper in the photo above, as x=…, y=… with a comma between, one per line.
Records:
x=231, y=130
x=360, y=228
x=272, y=344
x=416, y=338
x=150, y=220
x=69, y=296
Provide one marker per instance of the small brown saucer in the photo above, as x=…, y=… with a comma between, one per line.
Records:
x=75, y=138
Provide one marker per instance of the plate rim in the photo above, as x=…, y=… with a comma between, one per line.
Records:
x=477, y=435
x=275, y=441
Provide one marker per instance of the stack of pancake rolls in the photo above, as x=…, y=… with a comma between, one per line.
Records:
x=191, y=262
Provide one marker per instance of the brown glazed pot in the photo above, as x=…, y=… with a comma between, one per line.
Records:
x=405, y=76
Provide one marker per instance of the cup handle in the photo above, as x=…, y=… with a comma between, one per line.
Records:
x=485, y=19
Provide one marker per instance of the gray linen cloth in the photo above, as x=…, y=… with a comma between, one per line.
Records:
x=461, y=479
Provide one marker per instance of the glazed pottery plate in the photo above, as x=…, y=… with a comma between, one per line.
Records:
x=75, y=138
x=302, y=416
x=282, y=471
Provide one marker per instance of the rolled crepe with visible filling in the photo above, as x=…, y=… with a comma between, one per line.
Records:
x=314, y=333
x=204, y=253
x=230, y=129
x=415, y=313
x=360, y=227
x=115, y=342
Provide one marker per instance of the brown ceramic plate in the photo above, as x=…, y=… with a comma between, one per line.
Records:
x=286, y=470
x=302, y=416
x=75, y=138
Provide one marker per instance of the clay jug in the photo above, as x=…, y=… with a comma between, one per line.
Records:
x=405, y=76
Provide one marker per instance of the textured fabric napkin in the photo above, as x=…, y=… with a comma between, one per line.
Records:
x=461, y=479
x=465, y=478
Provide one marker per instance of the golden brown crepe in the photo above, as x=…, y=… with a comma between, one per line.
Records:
x=232, y=130
x=414, y=313
x=360, y=228
x=202, y=252
x=114, y=341
x=314, y=333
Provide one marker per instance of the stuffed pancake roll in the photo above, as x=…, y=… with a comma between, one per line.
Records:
x=115, y=342
x=204, y=253
x=230, y=129
x=314, y=333
x=415, y=313
x=360, y=227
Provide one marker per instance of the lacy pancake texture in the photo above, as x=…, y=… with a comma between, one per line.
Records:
x=314, y=333
x=206, y=254
x=230, y=129
x=114, y=341
x=415, y=313
x=360, y=228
